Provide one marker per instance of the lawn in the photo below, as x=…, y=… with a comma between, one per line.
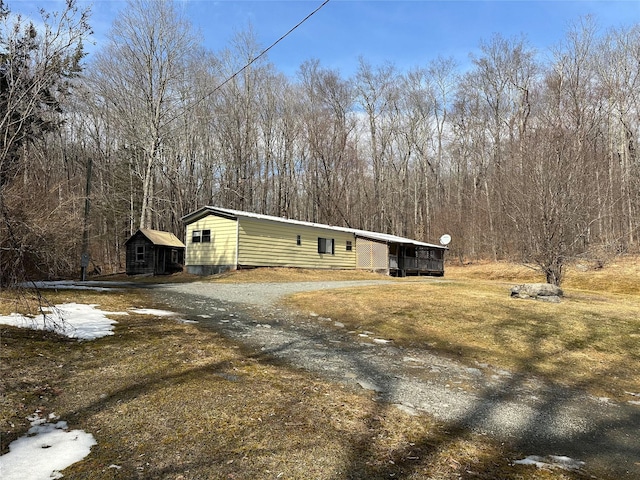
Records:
x=166, y=399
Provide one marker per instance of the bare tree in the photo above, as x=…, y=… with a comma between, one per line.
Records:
x=36, y=74
x=558, y=205
x=618, y=73
x=139, y=74
x=377, y=94
x=427, y=98
x=235, y=126
x=328, y=127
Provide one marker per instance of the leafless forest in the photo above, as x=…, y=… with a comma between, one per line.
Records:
x=521, y=154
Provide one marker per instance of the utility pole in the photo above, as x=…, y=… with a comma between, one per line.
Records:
x=84, y=259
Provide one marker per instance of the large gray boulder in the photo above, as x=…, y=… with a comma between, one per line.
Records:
x=538, y=291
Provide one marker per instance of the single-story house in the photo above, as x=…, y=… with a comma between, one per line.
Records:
x=154, y=252
x=220, y=239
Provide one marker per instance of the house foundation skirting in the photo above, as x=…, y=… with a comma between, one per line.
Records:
x=209, y=269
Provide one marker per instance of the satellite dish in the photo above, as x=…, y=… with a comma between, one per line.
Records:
x=445, y=239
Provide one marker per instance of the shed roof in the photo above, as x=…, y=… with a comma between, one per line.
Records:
x=160, y=238
x=234, y=214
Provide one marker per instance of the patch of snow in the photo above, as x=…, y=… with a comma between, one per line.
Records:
x=44, y=451
x=531, y=460
x=74, y=320
x=152, y=311
x=381, y=341
x=551, y=461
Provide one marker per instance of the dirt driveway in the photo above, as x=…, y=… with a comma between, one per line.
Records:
x=537, y=418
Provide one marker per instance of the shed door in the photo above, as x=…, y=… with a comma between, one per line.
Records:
x=160, y=260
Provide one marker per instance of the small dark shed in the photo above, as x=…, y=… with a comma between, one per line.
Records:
x=154, y=252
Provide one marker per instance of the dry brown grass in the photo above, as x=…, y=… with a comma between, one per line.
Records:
x=590, y=340
x=289, y=275
x=251, y=275
x=495, y=271
x=178, y=277
x=618, y=275
x=170, y=400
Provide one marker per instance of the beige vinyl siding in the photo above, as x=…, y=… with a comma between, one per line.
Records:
x=270, y=243
x=222, y=248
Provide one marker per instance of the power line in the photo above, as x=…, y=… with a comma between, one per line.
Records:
x=264, y=52
x=261, y=54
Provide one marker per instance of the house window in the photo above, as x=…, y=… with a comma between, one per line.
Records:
x=140, y=253
x=201, y=236
x=326, y=245
x=349, y=246
x=298, y=240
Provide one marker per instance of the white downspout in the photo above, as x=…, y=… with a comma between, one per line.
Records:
x=237, y=242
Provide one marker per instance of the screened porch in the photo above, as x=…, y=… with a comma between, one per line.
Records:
x=415, y=260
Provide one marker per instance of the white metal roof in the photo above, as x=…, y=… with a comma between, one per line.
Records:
x=382, y=237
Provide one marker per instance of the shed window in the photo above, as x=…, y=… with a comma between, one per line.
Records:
x=349, y=246
x=140, y=253
x=298, y=240
x=326, y=245
x=206, y=236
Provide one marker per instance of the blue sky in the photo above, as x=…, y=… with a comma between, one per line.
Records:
x=405, y=33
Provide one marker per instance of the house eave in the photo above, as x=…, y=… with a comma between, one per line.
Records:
x=205, y=212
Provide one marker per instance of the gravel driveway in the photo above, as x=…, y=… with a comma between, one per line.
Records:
x=537, y=418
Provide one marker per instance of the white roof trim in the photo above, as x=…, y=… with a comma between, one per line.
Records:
x=383, y=237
